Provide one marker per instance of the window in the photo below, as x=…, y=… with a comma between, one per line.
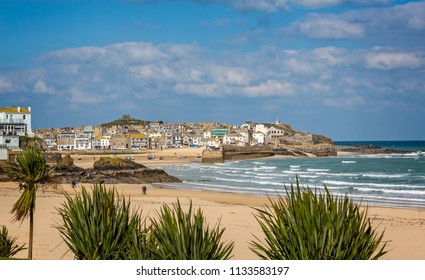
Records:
x=8, y=141
x=24, y=116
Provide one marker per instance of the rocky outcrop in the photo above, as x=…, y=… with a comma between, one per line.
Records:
x=91, y=176
x=114, y=163
x=369, y=149
x=321, y=150
x=107, y=170
x=110, y=170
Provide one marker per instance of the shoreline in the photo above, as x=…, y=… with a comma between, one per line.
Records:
x=403, y=227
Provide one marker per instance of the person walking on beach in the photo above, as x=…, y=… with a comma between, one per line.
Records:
x=74, y=183
x=144, y=189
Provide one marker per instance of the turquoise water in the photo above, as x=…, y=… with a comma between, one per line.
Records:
x=390, y=180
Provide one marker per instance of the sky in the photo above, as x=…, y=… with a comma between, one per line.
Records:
x=347, y=69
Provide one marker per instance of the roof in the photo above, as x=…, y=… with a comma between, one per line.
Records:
x=138, y=135
x=14, y=110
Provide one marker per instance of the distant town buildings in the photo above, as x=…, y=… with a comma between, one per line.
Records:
x=128, y=133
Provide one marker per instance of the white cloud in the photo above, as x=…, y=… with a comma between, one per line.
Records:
x=270, y=88
x=236, y=76
x=276, y=5
x=315, y=4
x=41, y=87
x=5, y=85
x=332, y=55
x=260, y=5
x=203, y=90
x=329, y=28
x=396, y=25
x=331, y=75
x=416, y=23
x=390, y=61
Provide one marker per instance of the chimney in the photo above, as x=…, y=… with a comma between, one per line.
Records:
x=29, y=108
x=19, y=109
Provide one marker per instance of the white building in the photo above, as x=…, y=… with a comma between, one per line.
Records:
x=259, y=138
x=66, y=141
x=83, y=141
x=233, y=139
x=14, y=122
x=261, y=128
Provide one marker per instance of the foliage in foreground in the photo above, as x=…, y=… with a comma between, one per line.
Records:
x=8, y=248
x=311, y=226
x=180, y=235
x=102, y=226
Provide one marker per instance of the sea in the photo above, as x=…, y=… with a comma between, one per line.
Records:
x=390, y=180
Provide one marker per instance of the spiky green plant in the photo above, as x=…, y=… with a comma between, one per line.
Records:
x=102, y=226
x=180, y=235
x=313, y=226
x=32, y=171
x=8, y=248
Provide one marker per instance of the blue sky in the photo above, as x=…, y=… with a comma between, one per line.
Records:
x=348, y=69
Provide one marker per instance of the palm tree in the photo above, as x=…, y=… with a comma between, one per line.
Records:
x=32, y=172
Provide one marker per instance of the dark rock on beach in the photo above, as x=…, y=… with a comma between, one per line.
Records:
x=106, y=170
x=139, y=176
x=112, y=170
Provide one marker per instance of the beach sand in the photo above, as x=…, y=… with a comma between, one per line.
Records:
x=170, y=156
x=404, y=228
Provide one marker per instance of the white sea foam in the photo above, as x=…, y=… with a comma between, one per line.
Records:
x=309, y=176
x=398, y=192
x=373, y=178
x=343, y=183
x=318, y=169
x=295, y=172
x=381, y=175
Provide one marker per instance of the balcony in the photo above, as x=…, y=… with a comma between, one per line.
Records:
x=16, y=121
x=8, y=133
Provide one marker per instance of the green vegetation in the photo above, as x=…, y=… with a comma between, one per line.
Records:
x=125, y=122
x=311, y=226
x=102, y=226
x=115, y=163
x=317, y=139
x=31, y=170
x=8, y=248
x=180, y=235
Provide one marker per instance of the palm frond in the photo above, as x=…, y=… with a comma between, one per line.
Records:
x=312, y=226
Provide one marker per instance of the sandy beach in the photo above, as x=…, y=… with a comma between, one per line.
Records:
x=404, y=228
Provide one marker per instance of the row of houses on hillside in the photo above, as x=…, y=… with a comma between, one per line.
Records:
x=155, y=136
x=16, y=122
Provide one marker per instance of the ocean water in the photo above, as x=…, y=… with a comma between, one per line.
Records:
x=396, y=180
